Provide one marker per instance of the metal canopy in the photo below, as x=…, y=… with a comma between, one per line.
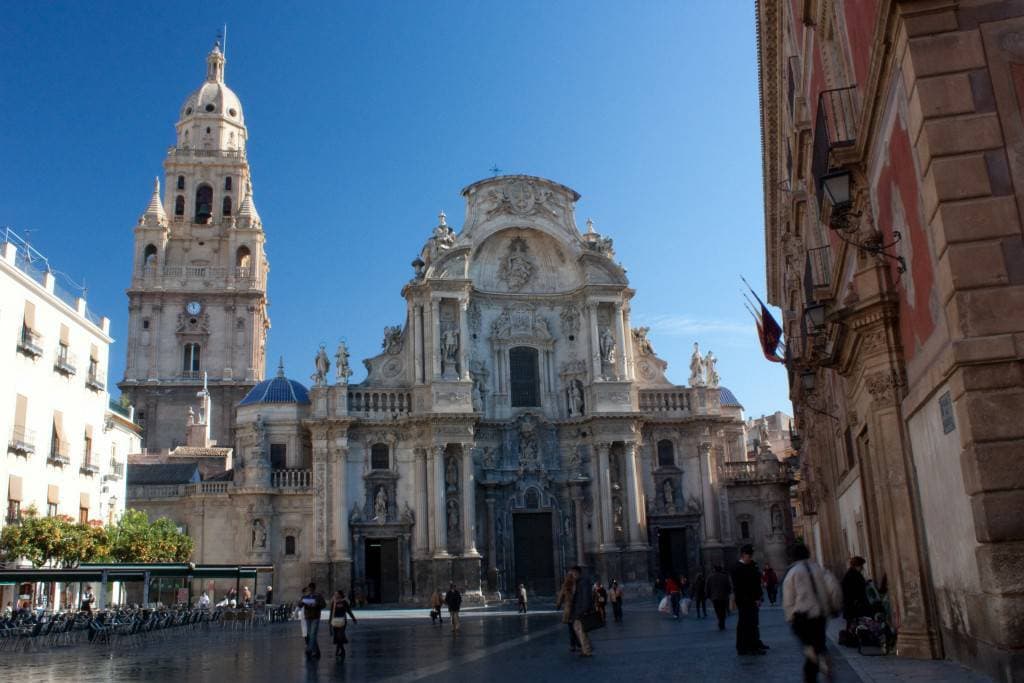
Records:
x=132, y=572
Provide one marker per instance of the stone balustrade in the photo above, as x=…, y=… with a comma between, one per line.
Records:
x=675, y=401
x=380, y=404
x=291, y=479
x=754, y=471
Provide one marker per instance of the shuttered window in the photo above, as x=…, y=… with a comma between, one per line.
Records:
x=524, y=378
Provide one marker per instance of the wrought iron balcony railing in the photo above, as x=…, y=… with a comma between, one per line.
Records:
x=22, y=441
x=30, y=343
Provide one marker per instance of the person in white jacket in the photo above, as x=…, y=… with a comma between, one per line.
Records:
x=810, y=596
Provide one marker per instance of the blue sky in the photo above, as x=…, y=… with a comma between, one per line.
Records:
x=367, y=118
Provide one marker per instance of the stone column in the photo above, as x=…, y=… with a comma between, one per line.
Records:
x=340, y=531
x=710, y=501
x=620, y=339
x=435, y=339
x=634, y=503
x=468, y=504
x=417, y=343
x=492, y=541
x=463, y=340
x=595, y=341
x=419, y=488
x=440, y=514
x=577, y=503
x=604, y=497
x=628, y=352
x=428, y=495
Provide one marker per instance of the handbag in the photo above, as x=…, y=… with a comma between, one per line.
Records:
x=591, y=621
x=339, y=622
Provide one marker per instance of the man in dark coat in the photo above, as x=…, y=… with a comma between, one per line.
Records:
x=746, y=585
x=454, y=601
x=582, y=602
x=719, y=588
x=855, y=593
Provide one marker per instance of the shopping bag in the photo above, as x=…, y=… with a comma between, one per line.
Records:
x=684, y=606
x=302, y=622
x=665, y=605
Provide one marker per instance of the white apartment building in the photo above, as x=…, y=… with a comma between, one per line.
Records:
x=67, y=443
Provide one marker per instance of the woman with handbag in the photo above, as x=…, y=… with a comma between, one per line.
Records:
x=341, y=610
x=564, y=603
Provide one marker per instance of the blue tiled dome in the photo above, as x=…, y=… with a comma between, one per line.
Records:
x=278, y=389
x=727, y=398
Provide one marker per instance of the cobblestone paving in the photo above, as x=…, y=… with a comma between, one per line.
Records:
x=493, y=645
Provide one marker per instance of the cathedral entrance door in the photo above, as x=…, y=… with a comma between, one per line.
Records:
x=534, y=550
x=381, y=570
x=672, y=552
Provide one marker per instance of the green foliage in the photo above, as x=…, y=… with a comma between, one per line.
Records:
x=59, y=541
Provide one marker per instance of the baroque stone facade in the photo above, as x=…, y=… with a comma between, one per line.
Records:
x=892, y=135
x=514, y=424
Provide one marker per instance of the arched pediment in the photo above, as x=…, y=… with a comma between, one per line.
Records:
x=524, y=260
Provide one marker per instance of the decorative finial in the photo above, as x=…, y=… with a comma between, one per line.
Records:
x=280, y=367
x=590, y=226
x=442, y=219
x=156, y=185
x=154, y=214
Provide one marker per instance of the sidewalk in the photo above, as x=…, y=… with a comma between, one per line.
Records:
x=886, y=669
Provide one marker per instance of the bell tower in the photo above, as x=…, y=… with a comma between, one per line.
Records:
x=197, y=304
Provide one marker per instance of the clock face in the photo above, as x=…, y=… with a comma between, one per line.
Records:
x=193, y=307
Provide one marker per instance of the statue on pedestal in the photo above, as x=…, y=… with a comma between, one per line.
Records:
x=342, y=369
x=696, y=367
x=323, y=365
x=710, y=369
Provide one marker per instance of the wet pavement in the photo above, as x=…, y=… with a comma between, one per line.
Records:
x=494, y=645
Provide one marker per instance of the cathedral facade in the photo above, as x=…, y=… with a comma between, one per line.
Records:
x=514, y=425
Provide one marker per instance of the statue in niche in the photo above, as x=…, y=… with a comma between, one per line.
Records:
x=696, y=367
x=449, y=351
x=479, y=392
x=408, y=516
x=607, y=346
x=776, y=519
x=710, y=369
x=642, y=342
x=617, y=514
x=453, y=516
x=575, y=397
x=259, y=535
x=489, y=459
x=323, y=365
x=529, y=456
x=451, y=474
x=342, y=368
x=693, y=506
x=380, y=504
x=669, y=495
x=517, y=268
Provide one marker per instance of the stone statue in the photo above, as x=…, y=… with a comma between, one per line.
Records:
x=453, y=516
x=668, y=493
x=710, y=370
x=696, y=367
x=408, y=516
x=607, y=346
x=449, y=350
x=380, y=504
x=762, y=434
x=528, y=455
x=451, y=474
x=323, y=365
x=259, y=535
x=575, y=396
x=643, y=344
x=776, y=518
x=617, y=514
x=191, y=417
x=341, y=365
x=392, y=343
x=489, y=460
x=478, y=392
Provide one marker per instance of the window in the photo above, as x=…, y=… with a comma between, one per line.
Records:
x=51, y=509
x=243, y=257
x=744, y=529
x=204, y=203
x=278, y=456
x=190, y=360
x=87, y=447
x=379, y=459
x=181, y=182
x=666, y=454
x=524, y=377
x=83, y=515
x=149, y=255
x=13, y=511
x=227, y=184
x=226, y=206
x=289, y=545
x=179, y=205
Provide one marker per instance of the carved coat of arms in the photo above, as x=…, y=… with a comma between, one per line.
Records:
x=518, y=267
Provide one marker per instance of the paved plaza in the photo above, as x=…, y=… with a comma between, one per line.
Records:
x=493, y=645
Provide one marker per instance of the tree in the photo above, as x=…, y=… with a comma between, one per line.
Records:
x=136, y=539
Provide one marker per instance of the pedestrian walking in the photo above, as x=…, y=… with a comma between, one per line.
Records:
x=674, y=595
x=564, y=603
x=770, y=581
x=600, y=600
x=246, y=596
x=270, y=596
x=454, y=601
x=436, y=602
x=582, y=604
x=313, y=604
x=855, y=594
x=521, y=595
x=700, y=595
x=810, y=595
x=87, y=600
x=615, y=598
x=746, y=586
x=719, y=588
x=341, y=610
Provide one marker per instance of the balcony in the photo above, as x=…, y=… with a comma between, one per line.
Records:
x=191, y=374
x=671, y=402
x=22, y=442
x=65, y=363
x=89, y=469
x=818, y=273
x=94, y=382
x=59, y=454
x=13, y=520
x=291, y=479
x=30, y=343
x=380, y=404
x=190, y=153
x=754, y=472
x=116, y=472
x=835, y=128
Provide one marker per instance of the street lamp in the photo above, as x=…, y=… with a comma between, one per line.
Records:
x=808, y=379
x=814, y=317
x=837, y=189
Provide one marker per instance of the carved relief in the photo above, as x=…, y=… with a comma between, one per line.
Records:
x=570, y=320
x=518, y=267
x=884, y=385
x=643, y=344
x=521, y=198
x=392, y=343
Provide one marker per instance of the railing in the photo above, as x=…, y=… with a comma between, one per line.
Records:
x=817, y=271
x=23, y=441
x=754, y=471
x=205, y=487
x=380, y=404
x=245, y=276
x=191, y=374
x=94, y=382
x=65, y=362
x=291, y=479
x=123, y=411
x=835, y=127
x=154, y=491
x=209, y=153
x=116, y=471
x=14, y=520
x=30, y=342
x=661, y=401
x=89, y=469
x=59, y=453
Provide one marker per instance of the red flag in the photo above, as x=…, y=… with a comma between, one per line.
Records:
x=770, y=333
